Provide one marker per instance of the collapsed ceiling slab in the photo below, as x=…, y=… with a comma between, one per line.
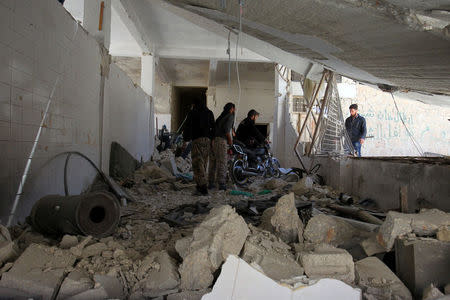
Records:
x=378, y=42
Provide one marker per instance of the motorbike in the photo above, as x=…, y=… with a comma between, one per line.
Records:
x=246, y=162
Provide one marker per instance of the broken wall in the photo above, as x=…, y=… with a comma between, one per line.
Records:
x=40, y=41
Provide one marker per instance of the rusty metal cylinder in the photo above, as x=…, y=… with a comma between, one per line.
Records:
x=95, y=214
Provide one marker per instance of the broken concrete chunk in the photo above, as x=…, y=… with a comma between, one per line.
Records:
x=285, y=221
x=328, y=262
x=223, y=232
x=78, y=249
x=303, y=186
x=182, y=246
x=447, y=289
x=93, y=294
x=8, y=251
x=326, y=229
x=377, y=280
x=371, y=246
x=68, y=241
x=271, y=255
x=38, y=270
x=188, y=295
x=431, y=293
x=75, y=283
x=443, y=234
x=274, y=184
x=94, y=250
x=426, y=223
x=111, y=285
x=159, y=275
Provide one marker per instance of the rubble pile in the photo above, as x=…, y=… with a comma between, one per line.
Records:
x=172, y=245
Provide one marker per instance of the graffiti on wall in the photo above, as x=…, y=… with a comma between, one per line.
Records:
x=428, y=124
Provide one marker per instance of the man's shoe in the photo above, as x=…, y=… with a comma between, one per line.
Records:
x=222, y=187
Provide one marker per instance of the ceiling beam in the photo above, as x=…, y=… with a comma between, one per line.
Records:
x=129, y=17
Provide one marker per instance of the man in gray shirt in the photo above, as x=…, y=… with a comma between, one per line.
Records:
x=222, y=140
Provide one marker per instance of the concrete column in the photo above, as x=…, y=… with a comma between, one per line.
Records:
x=279, y=122
x=148, y=73
x=98, y=24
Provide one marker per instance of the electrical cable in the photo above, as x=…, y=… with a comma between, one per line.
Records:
x=229, y=61
x=415, y=143
x=69, y=153
x=237, y=61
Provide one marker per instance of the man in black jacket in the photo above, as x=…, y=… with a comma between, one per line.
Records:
x=356, y=128
x=199, y=128
x=247, y=132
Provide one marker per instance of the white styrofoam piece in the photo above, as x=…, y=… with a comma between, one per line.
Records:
x=238, y=280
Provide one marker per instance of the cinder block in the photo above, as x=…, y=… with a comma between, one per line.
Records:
x=420, y=262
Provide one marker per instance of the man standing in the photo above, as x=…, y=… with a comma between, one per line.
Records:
x=356, y=128
x=199, y=128
x=247, y=132
x=222, y=140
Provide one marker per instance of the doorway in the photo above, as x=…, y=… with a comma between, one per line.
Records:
x=182, y=100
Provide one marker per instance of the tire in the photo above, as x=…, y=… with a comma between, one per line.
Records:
x=236, y=176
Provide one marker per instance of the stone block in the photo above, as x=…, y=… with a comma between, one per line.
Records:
x=328, y=262
x=38, y=270
x=329, y=230
x=158, y=274
x=68, y=241
x=223, y=232
x=377, y=280
x=75, y=283
x=285, y=221
x=271, y=254
x=422, y=261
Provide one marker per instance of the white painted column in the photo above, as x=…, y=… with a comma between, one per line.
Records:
x=148, y=73
x=93, y=17
x=148, y=66
x=279, y=122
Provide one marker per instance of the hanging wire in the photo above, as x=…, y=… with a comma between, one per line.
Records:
x=415, y=143
x=229, y=61
x=237, y=61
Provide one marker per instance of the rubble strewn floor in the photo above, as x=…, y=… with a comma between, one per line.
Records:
x=172, y=245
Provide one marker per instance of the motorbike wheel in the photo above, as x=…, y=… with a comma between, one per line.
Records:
x=236, y=172
x=276, y=168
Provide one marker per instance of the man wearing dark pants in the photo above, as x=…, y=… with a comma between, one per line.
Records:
x=356, y=128
x=222, y=140
x=199, y=128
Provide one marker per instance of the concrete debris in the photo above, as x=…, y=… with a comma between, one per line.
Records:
x=38, y=270
x=223, y=232
x=303, y=186
x=271, y=254
x=327, y=229
x=170, y=165
x=78, y=249
x=420, y=261
x=68, y=241
x=94, y=250
x=426, y=223
x=371, y=246
x=158, y=274
x=183, y=165
x=275, y=184
x=153, y=172
x=328, y=262
x=285, y=222
x=188, y=295
x=8, y=249
x=377, y=280
x=6, y=267
x=239, y=280
x=110, y=284
x=431, y=293
x=75, y=283
x=447, y=289
x=443, y=234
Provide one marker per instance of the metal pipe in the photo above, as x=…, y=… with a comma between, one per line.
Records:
x=95, y=214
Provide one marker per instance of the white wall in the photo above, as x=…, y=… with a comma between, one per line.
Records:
x=428, y=123
x=257, y=91
x=127, y=117
x=35, y=47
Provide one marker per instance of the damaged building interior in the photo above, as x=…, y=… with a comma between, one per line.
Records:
x=102, y=173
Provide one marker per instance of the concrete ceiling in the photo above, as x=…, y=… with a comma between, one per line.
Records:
x=186, y=72
x=373, y=41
